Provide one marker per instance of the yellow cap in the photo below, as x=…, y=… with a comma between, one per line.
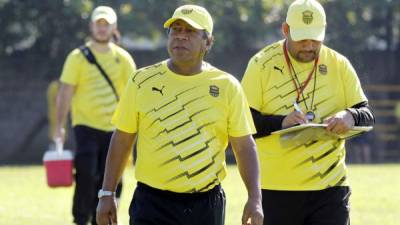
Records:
x=306, y=20
x=104, y=12
x=196, y=16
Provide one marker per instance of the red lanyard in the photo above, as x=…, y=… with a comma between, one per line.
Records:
x=300, y=88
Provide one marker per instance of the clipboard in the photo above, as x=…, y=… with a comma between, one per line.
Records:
x=321, y=127
x=304, y=133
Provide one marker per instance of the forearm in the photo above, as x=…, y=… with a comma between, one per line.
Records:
x=62, y=113
x=249, y=171
x=63, y=103
x=266, y=124
x=117, y=157
x=362, y=114
x=247, y=161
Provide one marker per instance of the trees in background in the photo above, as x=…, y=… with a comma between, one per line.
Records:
x=51, y=28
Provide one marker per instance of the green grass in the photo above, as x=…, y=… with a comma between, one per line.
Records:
x=26, y=199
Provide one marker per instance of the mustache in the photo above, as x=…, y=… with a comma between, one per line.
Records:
x=300, y=57
x=313, y=52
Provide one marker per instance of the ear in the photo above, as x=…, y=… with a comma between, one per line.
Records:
x=285, y=29
x=209, y=42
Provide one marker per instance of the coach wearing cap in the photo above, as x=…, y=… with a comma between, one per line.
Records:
x=183, y=112
x=295, y=81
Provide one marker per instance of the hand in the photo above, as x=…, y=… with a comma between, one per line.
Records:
x=294, y=118
x=340, y=122
x=106, y=212
x=59, y=134
x=253, y=212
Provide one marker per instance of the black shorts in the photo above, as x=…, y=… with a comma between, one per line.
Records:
x=324, y=207
x=152, y=206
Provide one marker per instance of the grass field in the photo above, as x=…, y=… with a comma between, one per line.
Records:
x=26, y=199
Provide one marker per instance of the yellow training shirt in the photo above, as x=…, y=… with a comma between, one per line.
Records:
x=183, y=124
x=270, y=90
x=94, y=102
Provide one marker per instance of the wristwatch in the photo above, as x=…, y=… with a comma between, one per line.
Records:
x=103, y=193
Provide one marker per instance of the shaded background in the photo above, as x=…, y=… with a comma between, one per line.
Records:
x=37, y=35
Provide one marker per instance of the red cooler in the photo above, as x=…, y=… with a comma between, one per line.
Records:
x=59, y=167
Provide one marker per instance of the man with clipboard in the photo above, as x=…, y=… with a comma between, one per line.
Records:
x=295, y=81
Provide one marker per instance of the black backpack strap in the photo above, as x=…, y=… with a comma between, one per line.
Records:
x=92, y=60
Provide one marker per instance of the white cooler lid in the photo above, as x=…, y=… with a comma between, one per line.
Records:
x=53, y=155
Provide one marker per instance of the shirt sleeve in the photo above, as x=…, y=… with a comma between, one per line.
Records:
x=252, y=84
x=125, y=117
x=240, y=121
x=353, y=91
x=130, y=66
x=70, y=73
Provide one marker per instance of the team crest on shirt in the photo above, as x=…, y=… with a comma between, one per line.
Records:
x=186, y=11
x=308, y=17
x=214, y=90
x=323, y=69
x=117, y=60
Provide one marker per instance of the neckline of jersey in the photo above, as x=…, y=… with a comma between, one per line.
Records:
x=196, y=76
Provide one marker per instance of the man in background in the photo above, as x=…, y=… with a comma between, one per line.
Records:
x=93, y=96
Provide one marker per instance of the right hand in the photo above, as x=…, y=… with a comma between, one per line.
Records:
x=106, y=212
x=294, y=118
x=59, y=134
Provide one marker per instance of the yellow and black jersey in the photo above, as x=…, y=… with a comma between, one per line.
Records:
x=270, y=89
x=94, y=102
x=183, y=124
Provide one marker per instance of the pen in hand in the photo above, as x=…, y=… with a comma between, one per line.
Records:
x=297, y=107
x=309, y=115
x=294, y=118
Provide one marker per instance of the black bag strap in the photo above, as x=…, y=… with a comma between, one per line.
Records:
x=92, y=60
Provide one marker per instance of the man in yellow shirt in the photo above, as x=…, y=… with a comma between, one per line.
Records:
x=296, y=81
x=182, y=112
x=93, y=97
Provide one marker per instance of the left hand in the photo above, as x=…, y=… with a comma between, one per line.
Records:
x=253, y=212
x=106, y=212
x=340, y=122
